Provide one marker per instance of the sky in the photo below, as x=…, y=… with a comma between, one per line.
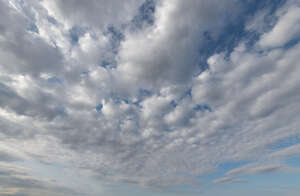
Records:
x=149, y=97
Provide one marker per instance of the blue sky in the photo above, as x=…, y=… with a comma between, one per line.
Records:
x=149, y=97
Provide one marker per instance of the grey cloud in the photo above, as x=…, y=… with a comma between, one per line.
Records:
x=22, y=51
x=11, y=99
x=94, y=13
x=42, y=108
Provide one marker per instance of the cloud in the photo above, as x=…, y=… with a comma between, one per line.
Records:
x=171, y=55
x=229, y=180
x=285, y=30
x=255, y=169
x=138, y=104
x=93, y=13
x=22, y=51
x=293, y=150
x=10, y=155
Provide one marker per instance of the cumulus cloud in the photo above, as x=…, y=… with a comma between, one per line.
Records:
x=101, y=90
x=172, y=43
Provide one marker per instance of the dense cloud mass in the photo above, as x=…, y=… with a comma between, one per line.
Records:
x=154, y=93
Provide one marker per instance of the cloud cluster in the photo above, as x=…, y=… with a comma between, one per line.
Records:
x=82, y=84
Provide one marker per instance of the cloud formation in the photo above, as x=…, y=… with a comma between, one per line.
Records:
x=147, y=92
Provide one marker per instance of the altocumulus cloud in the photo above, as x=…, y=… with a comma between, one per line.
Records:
x=154, y=93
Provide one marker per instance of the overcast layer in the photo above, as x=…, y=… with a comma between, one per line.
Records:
x=160, y=96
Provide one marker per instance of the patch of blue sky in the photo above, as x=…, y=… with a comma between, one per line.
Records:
x=60, y=111
x=145, y=15
x=105, y=63
x=117, y=99
x=99, y=107
x=143, y=94
x=54, y=80
x=202, y=108
x=115, y=36
x=173, y=103
x=75, y=33
x=198, y=107
x=33, y=28
x=52, y=20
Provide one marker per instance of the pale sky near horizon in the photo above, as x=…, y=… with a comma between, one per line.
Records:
x=149, y=97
